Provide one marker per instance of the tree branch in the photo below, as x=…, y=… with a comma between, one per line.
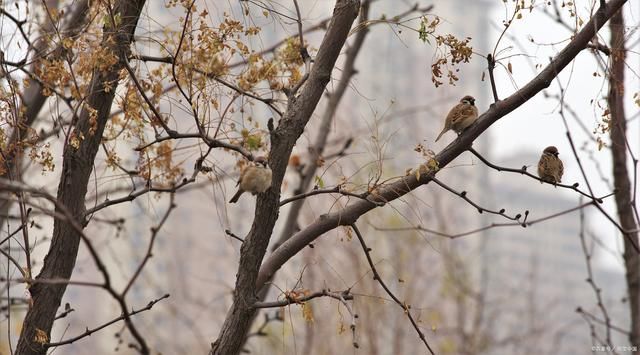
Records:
x=390, y=192
x=342, y=295
x=88, y=332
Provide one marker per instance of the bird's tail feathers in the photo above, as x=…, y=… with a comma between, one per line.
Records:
x=235, y=197
x=441, y=133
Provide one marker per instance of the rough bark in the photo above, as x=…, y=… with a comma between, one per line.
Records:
x=390, y=192
x=76, y=170
x=621, y=181
x=283, y=138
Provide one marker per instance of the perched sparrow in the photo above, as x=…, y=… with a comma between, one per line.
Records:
x=255, y=178
x=550, y=167
x=461, y=116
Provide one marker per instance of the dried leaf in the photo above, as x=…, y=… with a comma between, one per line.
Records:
x=41, y=337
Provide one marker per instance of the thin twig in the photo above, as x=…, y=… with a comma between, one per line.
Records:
x=580, y=310
x=524, y=171
x=337, y=189
x=590, y=279
x=490, y=226
x=480, y=209
x=491, y=65
x=624, y=232
x=154, y=234
x=88, y=332
x=376, y=276
x=233, y=235
x=288, y=300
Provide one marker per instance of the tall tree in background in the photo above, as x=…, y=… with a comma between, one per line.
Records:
x=625, y=196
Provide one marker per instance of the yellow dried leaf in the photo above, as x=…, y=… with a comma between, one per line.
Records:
x=433, y=164
x=67, y=43
x=307, y=312
x=41, y=337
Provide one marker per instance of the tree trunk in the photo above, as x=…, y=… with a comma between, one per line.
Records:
x=283, y=138
x=76, y=169
x=33, y=98
x=624, y=203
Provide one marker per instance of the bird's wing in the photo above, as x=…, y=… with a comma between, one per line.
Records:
x=454, y=114
x=560, y=169
x=244, y=171
x=459, y=112
x=541, y=166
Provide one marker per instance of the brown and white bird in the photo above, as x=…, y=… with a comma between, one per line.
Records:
x=255, y=178
x=461, y=116
x=550, y=168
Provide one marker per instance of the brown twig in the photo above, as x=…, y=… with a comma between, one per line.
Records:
x=491, y=65
x=233, y=235
x=492, y=225
x=590, y=280
x=523, y=171
x=288, y=300
x=463, y=195
x=376, y=276
x=88, y=332
x=154, y=233
x=337, y=189
x=627, y=234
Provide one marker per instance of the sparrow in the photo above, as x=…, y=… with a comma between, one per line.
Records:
x=550, y=167
x=255, y=178
x=461, y=116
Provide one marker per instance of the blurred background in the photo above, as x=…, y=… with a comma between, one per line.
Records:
x=502, y=290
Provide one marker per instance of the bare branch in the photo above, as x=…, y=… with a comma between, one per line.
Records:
x=154, y=234
x=463, y=195
x=490, y=226
x=590, y=280
x=288, y=300
x=376, y=276
x=491, y=65
x=88, y=332
x=337, y=189
x=523, y=171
